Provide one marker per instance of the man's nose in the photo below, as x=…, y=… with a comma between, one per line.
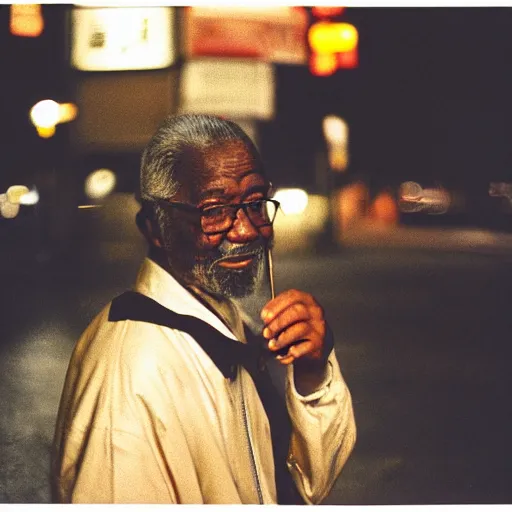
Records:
x=242, y=229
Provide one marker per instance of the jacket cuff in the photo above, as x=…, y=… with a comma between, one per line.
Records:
x=322, y=388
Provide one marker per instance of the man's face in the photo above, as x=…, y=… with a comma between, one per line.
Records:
x=227, y=263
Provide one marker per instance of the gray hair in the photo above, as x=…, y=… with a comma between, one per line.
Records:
x=178, y=136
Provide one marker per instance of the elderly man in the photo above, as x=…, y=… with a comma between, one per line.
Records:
x=168, y=398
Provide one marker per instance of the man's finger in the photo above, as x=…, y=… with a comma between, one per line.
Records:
x=283, y=301
x=293, y=333
x=296, y=312
x=285, y=359
x=301, y=349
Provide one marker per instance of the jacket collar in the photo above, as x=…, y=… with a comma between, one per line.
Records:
x=156, y=283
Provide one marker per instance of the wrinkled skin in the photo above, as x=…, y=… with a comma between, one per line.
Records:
x=225, y=174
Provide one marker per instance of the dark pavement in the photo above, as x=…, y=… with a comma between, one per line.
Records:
x=423, y=338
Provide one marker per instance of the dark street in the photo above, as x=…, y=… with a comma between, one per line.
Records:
x=422, y=336
x=385, y=132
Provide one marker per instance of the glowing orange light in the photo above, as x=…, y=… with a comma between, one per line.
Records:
x=26, y=20
x=326, y=37
x=326, y=11
x=348, y=60
x=384, y=209
x=323, y=64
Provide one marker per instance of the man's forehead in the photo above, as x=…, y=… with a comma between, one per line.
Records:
x=222, y=169
x=230, y=159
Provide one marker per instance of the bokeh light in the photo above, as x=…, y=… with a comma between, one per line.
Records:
x=16, y=192
x=326, y=37
x=100, y=183
x=293, y=200
x=30, y=198
x=45, y=114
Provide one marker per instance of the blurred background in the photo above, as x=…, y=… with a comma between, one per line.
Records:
x=386, y=135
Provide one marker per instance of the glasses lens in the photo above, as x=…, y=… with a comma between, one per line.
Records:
x=262, y=212
x=220, y=218
x=216, y=219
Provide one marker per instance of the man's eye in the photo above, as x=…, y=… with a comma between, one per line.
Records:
x=213, y=211
x=256, y=206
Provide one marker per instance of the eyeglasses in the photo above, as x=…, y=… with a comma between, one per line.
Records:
x=219, y=218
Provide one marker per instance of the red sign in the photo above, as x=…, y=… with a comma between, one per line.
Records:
x=271, y=34
x=348, y=60
x=325, y=11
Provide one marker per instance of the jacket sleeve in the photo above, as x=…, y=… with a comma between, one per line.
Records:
x=323, y=433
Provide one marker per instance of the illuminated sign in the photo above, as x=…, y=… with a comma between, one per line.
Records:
x=326, y=37
x=271, y=34
x=227, y=87
x=122, y=38
x=26, y=20
x=326, y=11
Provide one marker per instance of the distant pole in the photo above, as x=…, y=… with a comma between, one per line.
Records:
x=335, y=131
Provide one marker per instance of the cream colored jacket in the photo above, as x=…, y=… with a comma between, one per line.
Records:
x=147, y=417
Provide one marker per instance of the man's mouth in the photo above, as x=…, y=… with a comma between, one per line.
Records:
x=236, y=262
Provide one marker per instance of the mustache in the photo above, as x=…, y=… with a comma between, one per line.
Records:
x=230, y=250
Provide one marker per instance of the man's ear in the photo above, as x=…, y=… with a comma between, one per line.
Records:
x=153, y=233
x=149, y=229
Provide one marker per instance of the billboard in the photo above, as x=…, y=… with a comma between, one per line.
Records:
x=238, y=89
x=122, y=38
x=270, y=34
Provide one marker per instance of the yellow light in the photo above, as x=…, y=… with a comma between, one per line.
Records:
x=8, y=210
x=67, y=112
x=326, y=37
x=45, y=114
x=323, y=64
x=293, y=200
x=15, y=193
x=100, y=183
x=45, y=132
x=26, y=20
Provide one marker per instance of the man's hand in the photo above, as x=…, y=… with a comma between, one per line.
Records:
x=295, y=321
x=296, y=328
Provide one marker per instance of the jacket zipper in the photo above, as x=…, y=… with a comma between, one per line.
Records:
x=251, y=450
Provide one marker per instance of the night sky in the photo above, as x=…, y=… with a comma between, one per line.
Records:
x=429, y=101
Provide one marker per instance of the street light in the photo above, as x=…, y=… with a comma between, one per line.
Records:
x=46, y=114
x=336, y=134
